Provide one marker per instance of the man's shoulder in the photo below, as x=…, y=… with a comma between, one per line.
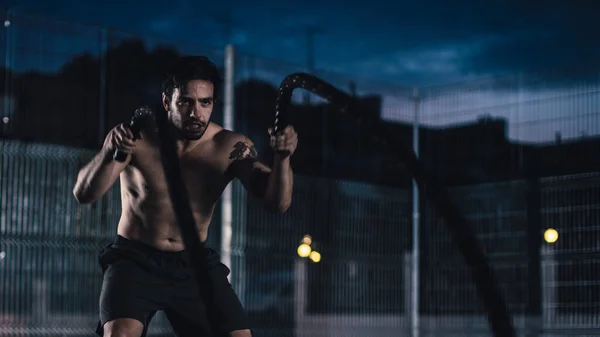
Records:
x=228, y=138
x=236, y=145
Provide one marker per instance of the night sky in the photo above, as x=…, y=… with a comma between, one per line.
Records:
x=409, y=43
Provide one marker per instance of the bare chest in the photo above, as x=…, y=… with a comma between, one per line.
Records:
x=203, y=175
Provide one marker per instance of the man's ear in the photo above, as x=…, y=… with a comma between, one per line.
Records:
x=165, y=101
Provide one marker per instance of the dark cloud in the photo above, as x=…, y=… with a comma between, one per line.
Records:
x=557, y=36
x=532, y=53
x=489, y=38
x=394, y=41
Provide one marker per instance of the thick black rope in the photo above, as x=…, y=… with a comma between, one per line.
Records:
x=180, y=201
x=464, y=236
x=177, y=190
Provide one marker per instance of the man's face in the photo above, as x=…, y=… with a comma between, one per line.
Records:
x=190, y=109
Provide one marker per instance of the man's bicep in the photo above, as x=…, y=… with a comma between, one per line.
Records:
x=245, y=167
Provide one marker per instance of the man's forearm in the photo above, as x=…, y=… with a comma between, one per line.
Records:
x=96, y=177
x=280, y=185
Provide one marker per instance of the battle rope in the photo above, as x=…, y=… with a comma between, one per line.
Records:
x=464, y=236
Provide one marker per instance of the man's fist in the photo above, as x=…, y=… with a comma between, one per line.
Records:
x=120, y=138
x=285, y=141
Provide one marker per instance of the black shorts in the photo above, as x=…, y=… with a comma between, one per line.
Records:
x=139, y=280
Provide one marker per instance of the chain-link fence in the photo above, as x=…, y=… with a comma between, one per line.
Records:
x=517, y=152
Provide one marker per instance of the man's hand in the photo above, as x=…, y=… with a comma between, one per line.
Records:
x=120, y=138
x=284, y=142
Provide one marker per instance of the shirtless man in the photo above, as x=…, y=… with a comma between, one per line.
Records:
x=146, y=268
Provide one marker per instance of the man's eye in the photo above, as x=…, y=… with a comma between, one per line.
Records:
x=182, y=103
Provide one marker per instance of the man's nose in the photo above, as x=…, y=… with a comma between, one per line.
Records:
x=195, y=113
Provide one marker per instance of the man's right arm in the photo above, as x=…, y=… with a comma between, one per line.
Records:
x=97, y=176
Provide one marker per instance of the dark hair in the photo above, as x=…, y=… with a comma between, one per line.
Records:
x=189, y=68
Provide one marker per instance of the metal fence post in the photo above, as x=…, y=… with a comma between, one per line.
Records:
x=102, y=99
x=228, y=123
x=415, y=227
x=233, y=209
x=549, y=298
x=534, y=243
x=8, y=53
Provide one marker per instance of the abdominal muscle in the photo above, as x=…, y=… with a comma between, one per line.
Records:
x=151, y=220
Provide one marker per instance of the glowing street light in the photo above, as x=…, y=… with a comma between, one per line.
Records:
x=304, y=250
x=551, y=235
x=315, y=256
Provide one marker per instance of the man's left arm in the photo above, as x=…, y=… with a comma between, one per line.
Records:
x=274, y=185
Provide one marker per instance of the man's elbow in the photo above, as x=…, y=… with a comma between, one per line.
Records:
x=279, y=206
x=276, y=206
x=82, y=196
x=283, y=207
